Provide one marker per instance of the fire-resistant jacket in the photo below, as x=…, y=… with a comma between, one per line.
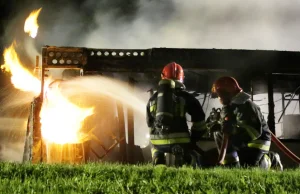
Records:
x=248, y=126
x=179, y=132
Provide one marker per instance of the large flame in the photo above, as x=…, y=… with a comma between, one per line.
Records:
x=61, y=120
x=31, y=26
x=21, y=78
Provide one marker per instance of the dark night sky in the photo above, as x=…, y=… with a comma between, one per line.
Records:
x=7, y=9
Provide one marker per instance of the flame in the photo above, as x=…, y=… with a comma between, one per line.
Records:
x=31, y=26
x=61, y=120
x=21, y=78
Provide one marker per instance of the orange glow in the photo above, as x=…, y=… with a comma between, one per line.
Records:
x=61, y=120
x=31, y=26
x=21, y=78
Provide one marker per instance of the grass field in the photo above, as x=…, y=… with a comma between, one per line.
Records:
x=113, y=178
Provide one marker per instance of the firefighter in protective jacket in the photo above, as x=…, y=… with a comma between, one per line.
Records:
x=249, y=136
x=166, y=118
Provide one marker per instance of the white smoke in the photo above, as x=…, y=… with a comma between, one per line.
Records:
x=230, y=24
x=272, y=25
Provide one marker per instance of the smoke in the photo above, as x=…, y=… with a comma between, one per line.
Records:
x=174, y=23
x=14, y=111
x=232, y=24
x=151, y=23
x=100, y=87
x=31, y=52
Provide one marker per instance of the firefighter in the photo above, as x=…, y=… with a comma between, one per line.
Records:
x=166, y=118
x=241, y=119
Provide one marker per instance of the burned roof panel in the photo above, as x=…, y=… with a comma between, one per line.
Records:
x=143, y=60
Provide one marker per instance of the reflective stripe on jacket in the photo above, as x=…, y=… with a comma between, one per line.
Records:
x=179, y=132
x=171, y=138
x=249, y=127
x=260, y=144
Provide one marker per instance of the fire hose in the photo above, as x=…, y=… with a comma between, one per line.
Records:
x=275, y=140
x=223, y=146
x=278, y=143
x=223, y=149
x=284, y=149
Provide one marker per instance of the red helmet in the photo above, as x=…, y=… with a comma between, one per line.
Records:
x=226, y=88
x=173, y=71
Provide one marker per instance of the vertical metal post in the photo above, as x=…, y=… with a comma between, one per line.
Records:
x=43, y=145
x=36, y=131
x=122, y=134
x=37, y=146
x=283, y=111
x=130, y=126
x=37, y=58
x=283, y=102
x=271, y=116
x=299, y=102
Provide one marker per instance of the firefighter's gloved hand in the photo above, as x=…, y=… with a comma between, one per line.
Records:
x=227, y=127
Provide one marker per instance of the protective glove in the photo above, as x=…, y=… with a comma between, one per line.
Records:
x=227, y=126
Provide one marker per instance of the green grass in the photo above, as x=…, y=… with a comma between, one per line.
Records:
x=114, y=178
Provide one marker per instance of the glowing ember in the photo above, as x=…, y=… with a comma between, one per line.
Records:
x=31, y=26
x=61, y=120
x=21, y=78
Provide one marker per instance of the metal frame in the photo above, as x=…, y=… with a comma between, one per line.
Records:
x=211, y=61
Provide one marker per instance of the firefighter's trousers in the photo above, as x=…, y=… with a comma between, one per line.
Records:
x=248, y=157
x=182, y=153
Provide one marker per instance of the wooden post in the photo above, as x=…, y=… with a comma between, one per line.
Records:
x=36, y=132
x=37, y=145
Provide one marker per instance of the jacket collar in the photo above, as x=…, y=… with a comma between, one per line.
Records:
x=240, y=98
x=179, y=85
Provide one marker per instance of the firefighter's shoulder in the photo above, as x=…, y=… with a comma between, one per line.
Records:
x=252, y=105
x=189, y=97
x=153, y=97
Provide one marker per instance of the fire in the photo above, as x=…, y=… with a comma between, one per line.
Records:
x=61, y=120
x=21, y=78
x=31, y=26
